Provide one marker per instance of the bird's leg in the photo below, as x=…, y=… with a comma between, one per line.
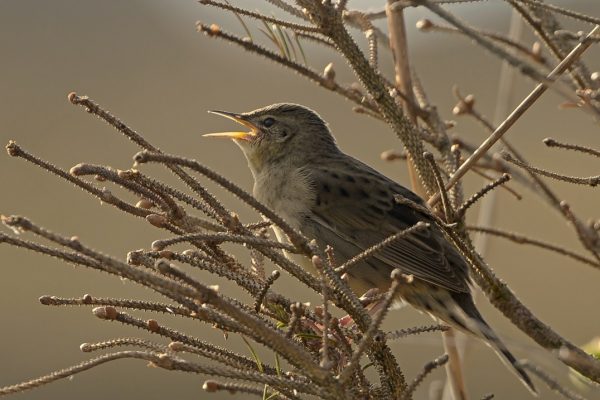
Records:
x=372, y=300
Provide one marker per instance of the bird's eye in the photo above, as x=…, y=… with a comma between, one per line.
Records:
x=268, y=122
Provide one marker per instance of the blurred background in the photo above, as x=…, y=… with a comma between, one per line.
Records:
x=144, y=61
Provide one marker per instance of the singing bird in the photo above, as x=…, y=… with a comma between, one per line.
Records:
x=301, y=174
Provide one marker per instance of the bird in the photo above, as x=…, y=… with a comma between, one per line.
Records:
x=330, y=197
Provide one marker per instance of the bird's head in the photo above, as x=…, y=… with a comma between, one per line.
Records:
x=279, y=133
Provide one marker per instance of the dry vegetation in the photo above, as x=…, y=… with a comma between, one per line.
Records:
x=323, y=356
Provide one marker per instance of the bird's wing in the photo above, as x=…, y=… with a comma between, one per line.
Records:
x=356, y=209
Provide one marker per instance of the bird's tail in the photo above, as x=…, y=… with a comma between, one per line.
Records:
x=507, y=357
x=467, y=318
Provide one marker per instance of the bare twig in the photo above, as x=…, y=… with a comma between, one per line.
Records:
x=108, y=344
x=449, y=213
x=373, y=332
x=325, y=361
x=515, y=115
x=569, y=13
x=261, y=295
x=380, y=246
x=414, y=331
x=589, y=181
x=403, y=77
x=299, y=68
x=586, y=236
x=426, y=25
x=84, y=366
x=296, y=238
x=583, y=149
x=430, y=366
x=486, y=189
x=222, y=237
x=544, y=24
x=365, y=24
x=105, y=196
x=315, y=345
x=522, y=239
x=550, y=381
x=502, y=298
x=259, y=16
x=134, y=136
x=522, y=66
x=490, y=178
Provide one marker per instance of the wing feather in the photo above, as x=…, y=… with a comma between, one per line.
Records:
x=355, y=211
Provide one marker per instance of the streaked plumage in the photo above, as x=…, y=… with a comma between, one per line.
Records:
x=335, y=199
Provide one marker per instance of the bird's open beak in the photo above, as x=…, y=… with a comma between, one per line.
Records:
x=235, y=135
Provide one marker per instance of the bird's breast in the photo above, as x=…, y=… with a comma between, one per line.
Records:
x=287, y=191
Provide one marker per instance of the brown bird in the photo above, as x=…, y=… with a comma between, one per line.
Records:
x=300, y=173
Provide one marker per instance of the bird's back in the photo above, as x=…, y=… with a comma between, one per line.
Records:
x=346, y=204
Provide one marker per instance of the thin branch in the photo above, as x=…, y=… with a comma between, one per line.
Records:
x=455, y=383
x=262, y=333
x=449, y=213
x=504, y=300
x=164, y=202
x=295, y=237
x=493, y=163
x=427, y=369
x=426, y=25
x=95, y=109
x=390, y=374
x=583, y=149
x=314, y=38
x=109, y=344
x=585, y=235
x=398, y=43
x=373, y=333
x=588, y=181
x=515, y=115
x=522, y=66
x=212, y=386
x=105, y=196
x=159, y=187
x=261, y=295
x=419, y=226
x=550, y=381
x=485, y=163
x=242, y=277
x=588, y=235
x=288, y=8
x=297, y=310
x=401, y=333
x=482, y=192
x=211, y=31
x=366, y=26
x=165, y=361
x=522, y=239
x=223, y=237
x=327, y=18
x=201, y=347
x=563, y=11
x=84, y=366
x=260, y=17
x=325, y=318
x=491, y=178
x=88, y=300
x=233, y=388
